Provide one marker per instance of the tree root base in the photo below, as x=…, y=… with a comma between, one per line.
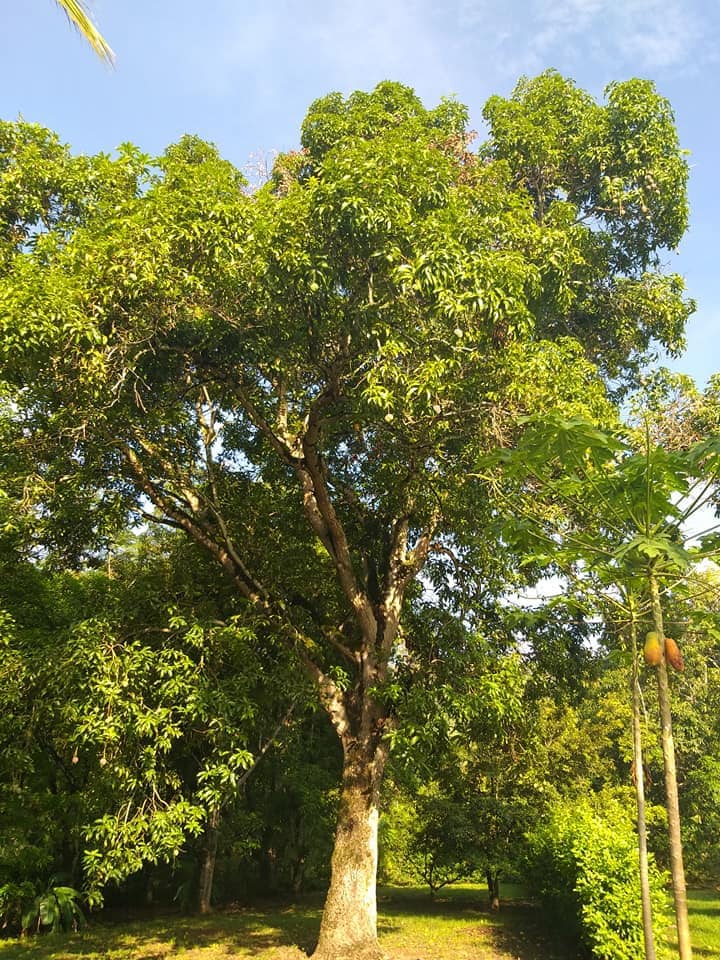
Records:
x=352, y=953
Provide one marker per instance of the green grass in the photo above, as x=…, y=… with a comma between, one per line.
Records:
x=456, y=926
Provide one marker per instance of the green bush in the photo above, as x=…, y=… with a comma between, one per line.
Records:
x=584, y=866
x=13, y=898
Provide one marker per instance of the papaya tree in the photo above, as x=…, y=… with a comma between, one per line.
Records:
x=300, y=378
x=613, y=520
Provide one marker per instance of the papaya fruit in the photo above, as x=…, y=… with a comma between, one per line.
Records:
x=673, y=655
x=652, y=651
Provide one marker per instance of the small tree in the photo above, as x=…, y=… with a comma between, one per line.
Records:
x=583, y=859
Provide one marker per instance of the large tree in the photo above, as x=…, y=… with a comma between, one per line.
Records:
x=301, y=378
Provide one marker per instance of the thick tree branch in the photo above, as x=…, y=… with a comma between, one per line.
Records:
x=403, y=567
x=330, y=695
x=319, y=507
x=302, y=455
x=281, y=444
x=418, y=556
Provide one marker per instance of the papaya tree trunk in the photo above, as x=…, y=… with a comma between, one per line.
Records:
x=209, y=859
x=677, y=868
x=348, y=930
x=639, y=780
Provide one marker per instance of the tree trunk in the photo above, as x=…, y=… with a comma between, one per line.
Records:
x=677, y=869
x=209, y=858
x=493, y=885
x=349, y=923
x=297, y=864
x=298, y=875
x=639, y=779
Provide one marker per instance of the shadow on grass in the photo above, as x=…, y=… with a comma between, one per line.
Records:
x=524, y=935
x=255, y=929
x=405, y=904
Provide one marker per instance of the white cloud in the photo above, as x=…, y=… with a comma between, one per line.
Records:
x=615, y=35
x=659, y=33
x=266, y=52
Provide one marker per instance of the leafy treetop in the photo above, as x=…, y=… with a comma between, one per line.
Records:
x=319, y=364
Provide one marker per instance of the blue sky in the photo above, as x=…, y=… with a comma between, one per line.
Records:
x=242, y=74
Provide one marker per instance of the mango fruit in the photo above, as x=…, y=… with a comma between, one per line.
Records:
x=673, y=655
x=652, y=651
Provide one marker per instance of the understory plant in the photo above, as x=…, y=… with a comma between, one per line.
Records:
x=57, y=907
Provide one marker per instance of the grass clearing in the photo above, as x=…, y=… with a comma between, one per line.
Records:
x=457, y=925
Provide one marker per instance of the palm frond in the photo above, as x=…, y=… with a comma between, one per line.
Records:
x=79, y=16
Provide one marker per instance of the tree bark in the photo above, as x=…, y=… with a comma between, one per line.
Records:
x=677, y=868
x=209, y=858
x=349, y=923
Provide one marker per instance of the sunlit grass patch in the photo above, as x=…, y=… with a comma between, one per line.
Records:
x=271, y=933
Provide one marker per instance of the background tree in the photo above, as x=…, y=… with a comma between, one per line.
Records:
x=129, y=733
x=473, y=770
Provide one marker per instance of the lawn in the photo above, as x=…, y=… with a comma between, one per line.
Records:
x=456, y=926
x=704, y=906
x=459, y=926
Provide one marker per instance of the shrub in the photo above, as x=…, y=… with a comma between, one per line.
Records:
x=13, y=898
x=584, y=865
